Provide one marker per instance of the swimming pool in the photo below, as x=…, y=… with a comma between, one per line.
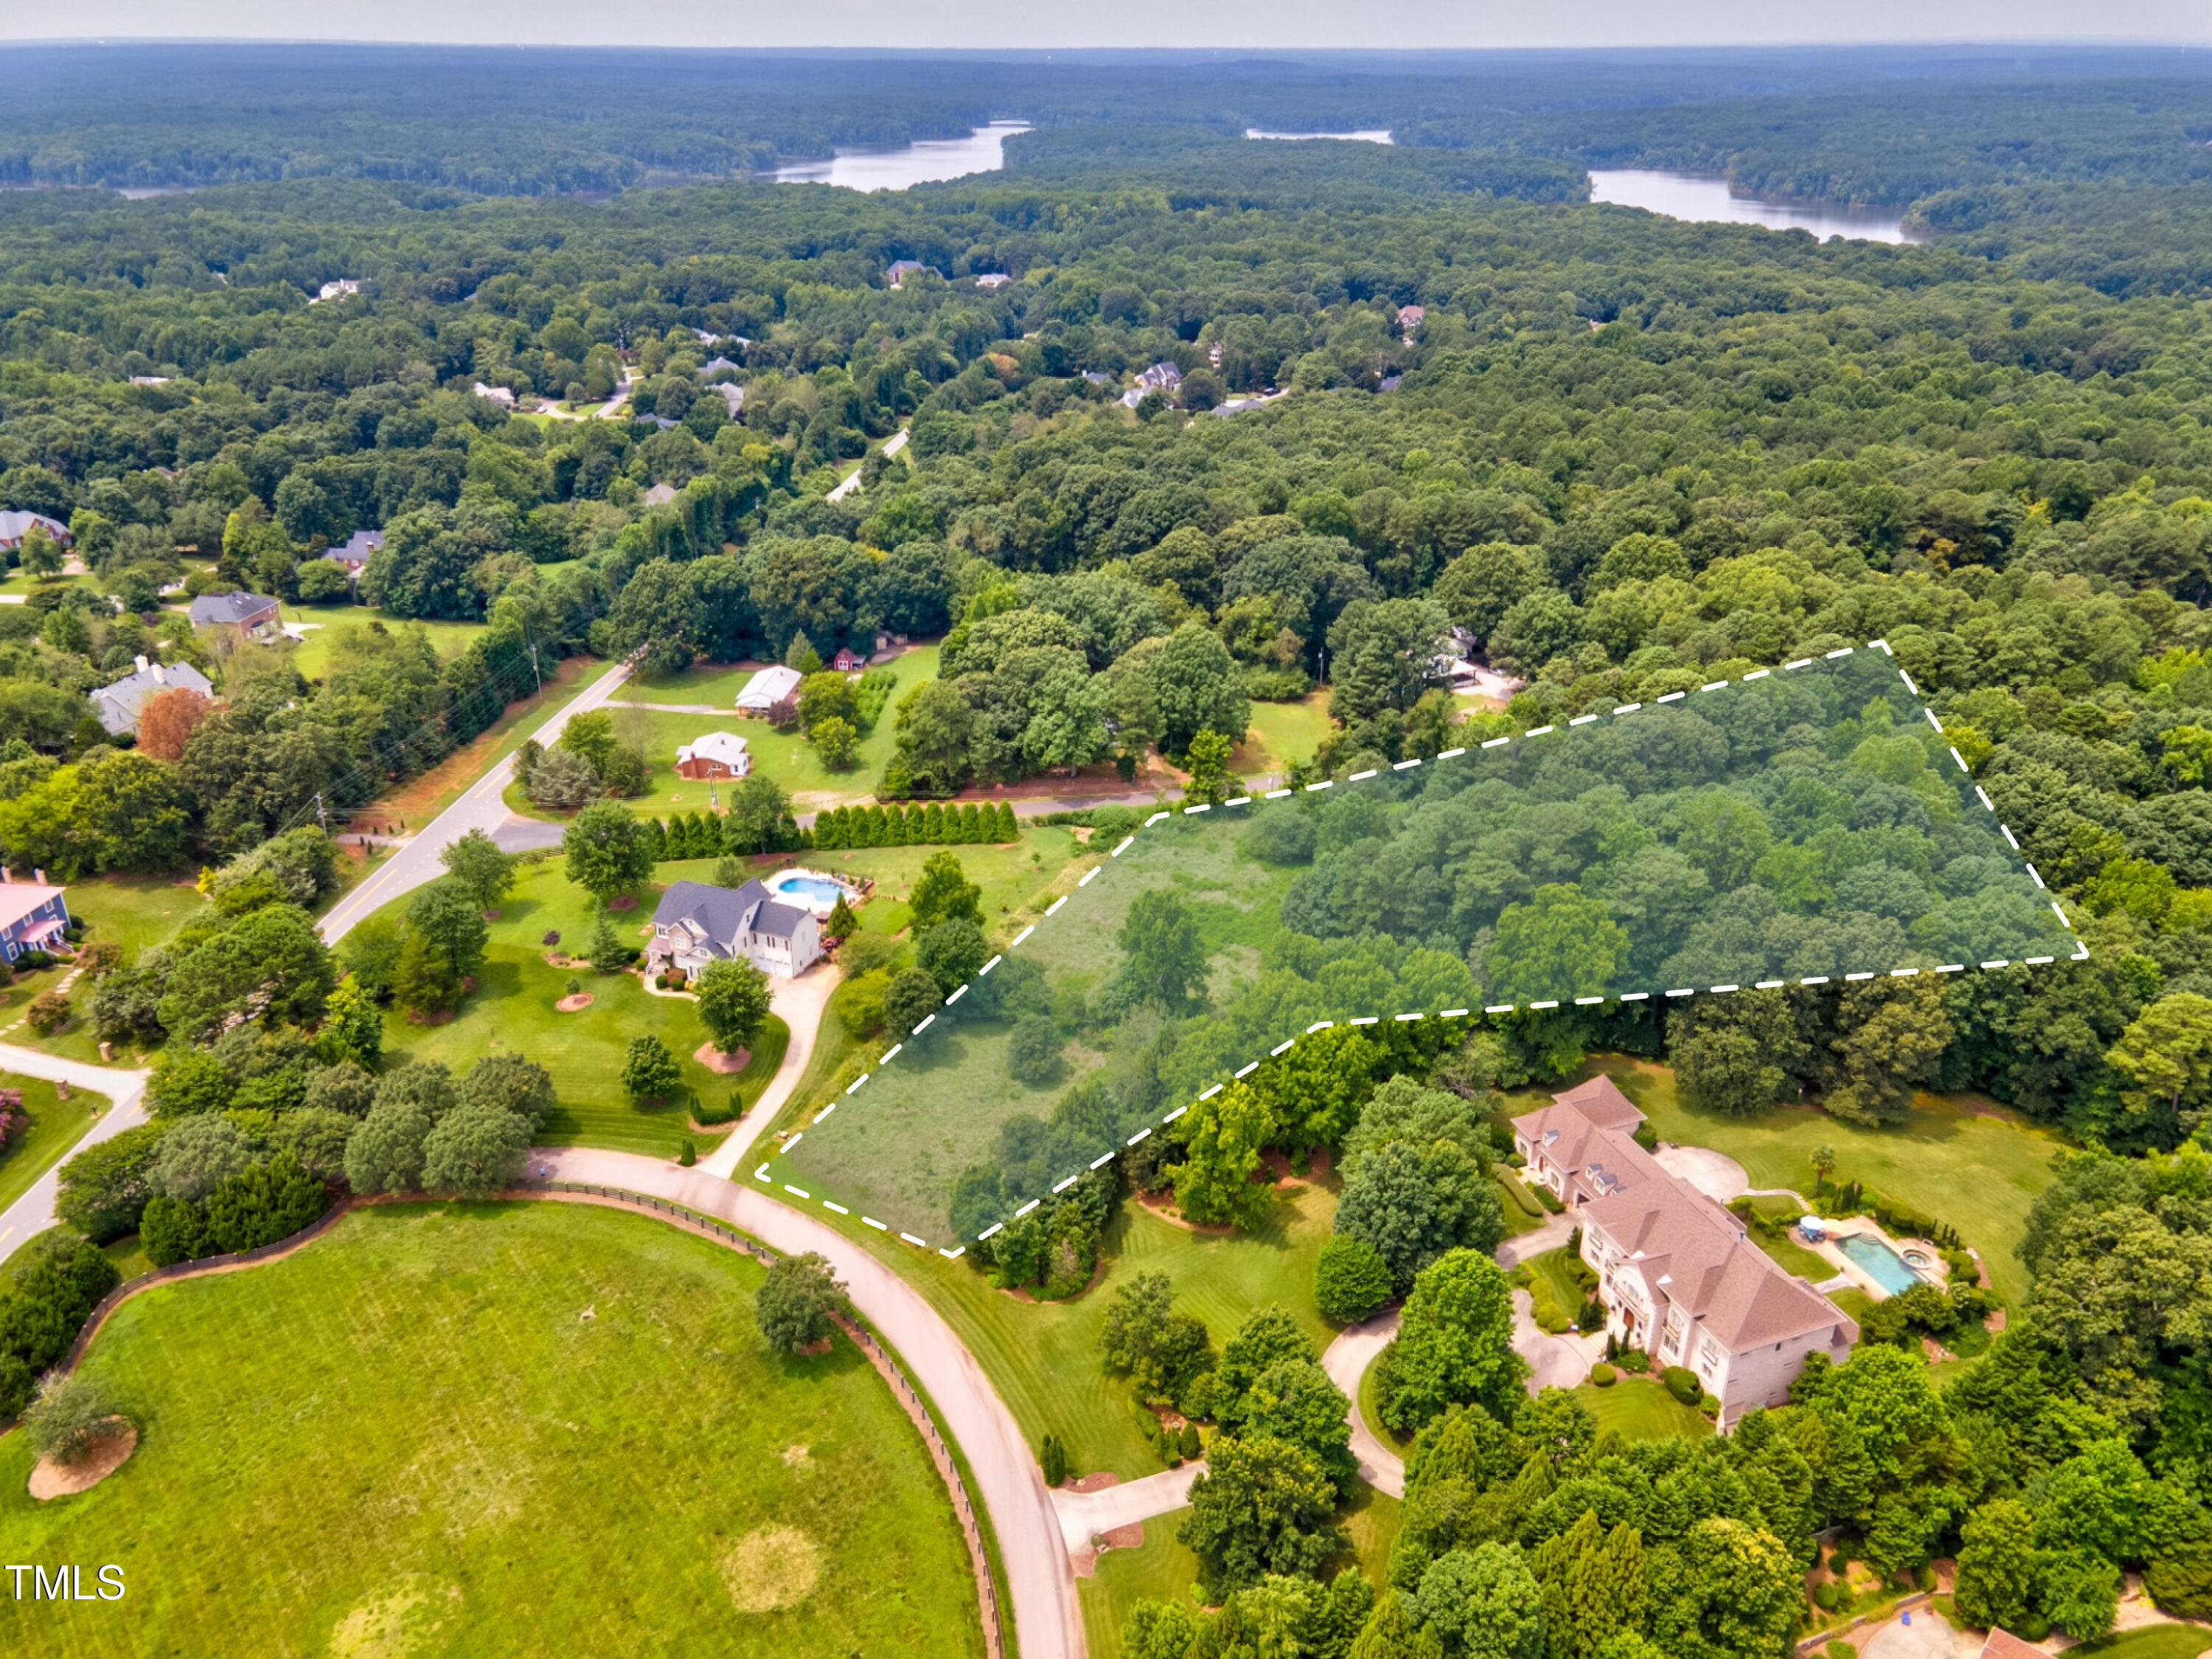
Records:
x=817, y=893
x=1882, y=1265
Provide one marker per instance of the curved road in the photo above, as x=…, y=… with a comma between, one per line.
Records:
x=1040, y=1579
x=479, y=807
x=34, y=1212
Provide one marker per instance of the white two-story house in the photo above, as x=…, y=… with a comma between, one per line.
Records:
x=1679, y=1275
x=697, y=923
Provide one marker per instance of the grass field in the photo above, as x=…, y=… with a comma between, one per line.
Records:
x=1282, y=732
x=494, y=1430
x=1640, y=1408
x=326, y=622
x=787, y=756
x=938, y=1109
x=2151, y=1642
x=1042, y=1358
x=57, y=1124
x=1959, y=1158
x=512, y=1010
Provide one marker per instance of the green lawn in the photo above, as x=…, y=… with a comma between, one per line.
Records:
x=312, y=654
x=1556, y=1269
x=1794, y=1257
x=1282, y=732
x=57, y=1124
x=2151, y=1642
x=1523, y=1214
x=1959, y=1158
x=784, y=756
x=1159, y=1570
x=511, y=1010
x=1640, y=1408
x=494, y=1430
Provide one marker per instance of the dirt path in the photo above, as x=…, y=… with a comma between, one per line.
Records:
x=1040, y=1582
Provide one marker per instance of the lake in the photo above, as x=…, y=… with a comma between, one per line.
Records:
x=1710, y=200
x=919, y=163
x=1365, y=136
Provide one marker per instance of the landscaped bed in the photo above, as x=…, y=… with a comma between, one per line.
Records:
x=496, y=1428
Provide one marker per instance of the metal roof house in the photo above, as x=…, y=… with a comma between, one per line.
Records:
x=118, y=705
x=771, y=694
x=696, y=924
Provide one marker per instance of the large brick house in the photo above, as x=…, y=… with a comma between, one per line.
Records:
x=717, y=754
x=1679, y=1275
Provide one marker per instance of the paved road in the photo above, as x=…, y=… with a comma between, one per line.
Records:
x=34, y=1212
x=800, y=1004
x=1085, y=1514
x=479, y=808
x=1346, y=1360
x=1040, y=1582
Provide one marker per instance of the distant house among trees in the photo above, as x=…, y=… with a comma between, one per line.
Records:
x=902, y=268
x=770, y=695
x=848, y=660
x=14, y=526
x=118, y=705
x=1679, y=1276
x=717, y=754
x=993, y=279
x=1409, y=319
x=32, y=914
x=497, y=394
x=1164, y=378
x=354, y=554
x=341, y=288
x=697, y=923
x=236, y=616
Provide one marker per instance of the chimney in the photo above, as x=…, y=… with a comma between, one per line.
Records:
x=141, y=662
x=7, y=877
x=40, y=876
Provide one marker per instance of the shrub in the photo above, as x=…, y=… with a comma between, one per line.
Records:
x=1682, y=1384
x=1351, y=1280
x=1592, y=1316
x=173, y=1229
x=67, y=1416
x=1189, y=1443
x=1051, y=1460
x=1839, y=1649
x=686, y=1153
x=1603, y=1376
x=49, y=1012
x=1825, y=1595
x=1710, y=1404
x=1635, y=1361
x=14, y=1121
x=104, y=1187
x=1547, y=1198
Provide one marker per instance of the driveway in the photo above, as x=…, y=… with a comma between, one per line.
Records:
x=1555, y=1362
x=416, y=862
x=801, y=1004
x=1716, y=1174
x=1346, y=1360
x=1552, y=1236
x=1927, y=1636
x=1040, y=1579
x=34, y=1212
x=1085, y=1514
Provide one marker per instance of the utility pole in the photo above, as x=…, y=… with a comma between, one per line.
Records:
x=322, y=813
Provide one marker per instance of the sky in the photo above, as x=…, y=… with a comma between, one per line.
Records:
x=1280, y=24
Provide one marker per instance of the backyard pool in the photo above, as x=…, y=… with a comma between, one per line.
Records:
x=819, y=894
x=1882, y=1265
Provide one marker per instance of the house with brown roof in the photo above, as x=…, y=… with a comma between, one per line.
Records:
x=1678, y=1274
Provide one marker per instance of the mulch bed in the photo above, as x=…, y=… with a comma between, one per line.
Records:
x=725, y=1065
x=574, y=1005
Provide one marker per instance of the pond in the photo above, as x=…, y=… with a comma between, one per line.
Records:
x=1365, y=136
x=919, y=163
x=1699, y=198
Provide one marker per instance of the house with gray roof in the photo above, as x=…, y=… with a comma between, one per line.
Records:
x=244, y=614
x=1680, y=1276
x=353, y=554
x=118, y=705
x=697, y=923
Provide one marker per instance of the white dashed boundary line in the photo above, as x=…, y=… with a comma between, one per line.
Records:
x=2081, y=950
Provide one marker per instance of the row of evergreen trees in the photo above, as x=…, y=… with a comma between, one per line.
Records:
x=936, y=825
x=705, y=835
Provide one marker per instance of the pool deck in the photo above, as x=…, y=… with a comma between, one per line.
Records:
x=1828, y=1250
